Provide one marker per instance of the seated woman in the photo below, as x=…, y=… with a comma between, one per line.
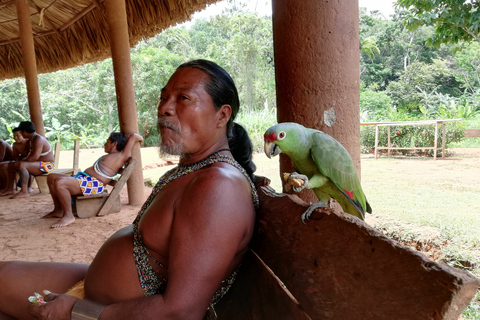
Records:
x=92, y=180
x=20, y=150
x=6, y=154
x=38, y=161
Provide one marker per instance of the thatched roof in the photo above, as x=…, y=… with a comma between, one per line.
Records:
x=68, y=33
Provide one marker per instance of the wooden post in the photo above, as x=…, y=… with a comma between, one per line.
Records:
x=435, y=144
x=376, y=140
x=30, y=65
x=122, y=69
x=56, y=155
x=76, y=156
x=443, y=142
x=316, y=75
x=389, y=145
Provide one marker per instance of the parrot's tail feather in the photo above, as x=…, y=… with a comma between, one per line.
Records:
x=356, y=205
x=369, y=209
x=350, y=194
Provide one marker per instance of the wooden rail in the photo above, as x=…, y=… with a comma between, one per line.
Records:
x=410, y=123
x=472, y=133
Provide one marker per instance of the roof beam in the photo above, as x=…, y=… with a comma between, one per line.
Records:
x=79, y=16
x=37, y=35
x=6, y=4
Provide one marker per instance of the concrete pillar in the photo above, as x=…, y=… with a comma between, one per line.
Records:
x=316, y=50
x=30, y=65
x=122, y=68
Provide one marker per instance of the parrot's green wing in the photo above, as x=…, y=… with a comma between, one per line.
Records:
x=334, y=162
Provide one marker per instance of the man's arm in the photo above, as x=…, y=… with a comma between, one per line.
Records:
x=3, y=149
x=209, y=231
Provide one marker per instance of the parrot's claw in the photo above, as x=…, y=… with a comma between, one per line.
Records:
x=320, y=204
x=296, y=175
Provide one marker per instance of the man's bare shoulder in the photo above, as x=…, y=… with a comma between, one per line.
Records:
x=218, y=186
x=218, y=193
x=220, y=174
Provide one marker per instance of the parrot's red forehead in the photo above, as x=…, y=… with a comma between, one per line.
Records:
x=270, y=137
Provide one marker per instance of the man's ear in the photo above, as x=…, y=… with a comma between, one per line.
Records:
x=114, y=145
x=224, y=115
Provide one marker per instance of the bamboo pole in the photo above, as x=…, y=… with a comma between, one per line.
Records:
x=30, y=65
x=122, y=69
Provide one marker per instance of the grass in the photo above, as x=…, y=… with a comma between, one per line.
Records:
x=431, y=203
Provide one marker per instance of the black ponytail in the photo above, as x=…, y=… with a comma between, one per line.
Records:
x=241, y=148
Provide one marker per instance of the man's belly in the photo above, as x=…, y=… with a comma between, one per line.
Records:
x=112, y=276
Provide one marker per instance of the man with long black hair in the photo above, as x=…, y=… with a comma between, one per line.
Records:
x=183, y=251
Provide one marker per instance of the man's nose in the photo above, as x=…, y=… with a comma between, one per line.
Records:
x=166, y=108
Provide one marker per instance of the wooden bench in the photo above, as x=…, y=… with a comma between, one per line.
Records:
x=104, y=203
x=42, y=179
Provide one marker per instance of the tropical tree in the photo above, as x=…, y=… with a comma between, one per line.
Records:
x=420, y=78
x=468, y=67
x=453, y=20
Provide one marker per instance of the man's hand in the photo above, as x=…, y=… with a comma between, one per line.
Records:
x=57, y=307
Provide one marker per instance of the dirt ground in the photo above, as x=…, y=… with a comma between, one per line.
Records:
x=25, y=236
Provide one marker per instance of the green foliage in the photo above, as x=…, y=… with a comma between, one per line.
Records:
x=80, y=103
x=256, y=123
x=374, y=106
x=397, y=47
x=467, y=70
x=56, y=131
x=13, y=104
x=470, y=123
x=419, y=78
x=453, y=20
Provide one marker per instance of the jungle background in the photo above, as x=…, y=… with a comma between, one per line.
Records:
x=422, y=62
x=403, y=77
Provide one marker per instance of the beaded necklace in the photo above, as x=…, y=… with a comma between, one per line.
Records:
x=149, y=280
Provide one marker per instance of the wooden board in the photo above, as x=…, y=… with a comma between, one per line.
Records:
x=472, y=133
x=87, y=207
x=258, y=294
x=42, y=179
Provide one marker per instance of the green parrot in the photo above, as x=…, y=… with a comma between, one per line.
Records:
x=322, y=162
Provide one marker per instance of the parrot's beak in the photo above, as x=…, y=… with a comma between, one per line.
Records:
x=271, y=149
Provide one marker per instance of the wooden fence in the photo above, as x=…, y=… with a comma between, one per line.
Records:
x=389, y=147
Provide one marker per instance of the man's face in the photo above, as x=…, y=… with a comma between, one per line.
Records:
x=186, y=114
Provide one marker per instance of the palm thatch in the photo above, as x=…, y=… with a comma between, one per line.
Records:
x=68, y=33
